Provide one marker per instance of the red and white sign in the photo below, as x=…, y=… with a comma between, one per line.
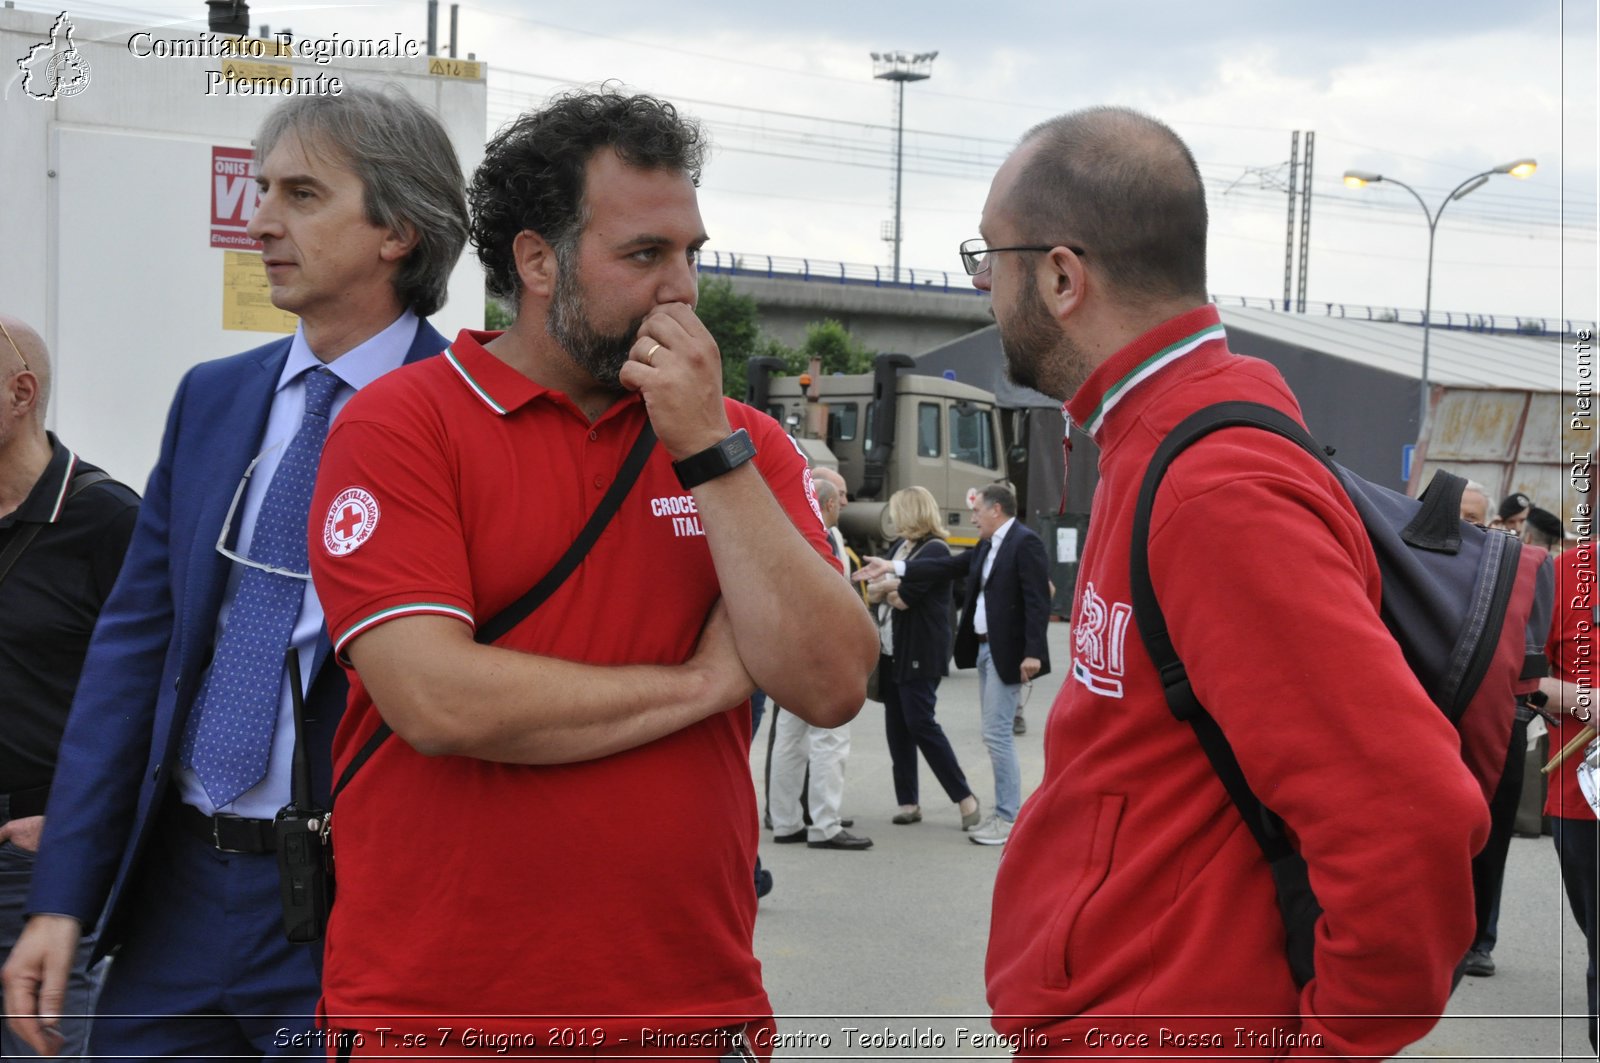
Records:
x=351, y=520
x=233, y=198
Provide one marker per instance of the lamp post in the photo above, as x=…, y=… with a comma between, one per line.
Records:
x=901, y=68
x=1521, y=168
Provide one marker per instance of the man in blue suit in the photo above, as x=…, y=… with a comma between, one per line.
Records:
x=177, y=752
x=1002, y=631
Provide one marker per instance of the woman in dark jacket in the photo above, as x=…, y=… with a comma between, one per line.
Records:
x=916, y=655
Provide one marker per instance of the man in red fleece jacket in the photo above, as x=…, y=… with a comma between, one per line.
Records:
x=1133, y=912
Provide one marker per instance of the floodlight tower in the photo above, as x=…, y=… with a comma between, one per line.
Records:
x=901, y=68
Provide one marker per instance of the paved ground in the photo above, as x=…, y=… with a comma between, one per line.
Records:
x=890, y=942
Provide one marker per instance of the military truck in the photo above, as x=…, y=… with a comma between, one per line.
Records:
x=939, y=433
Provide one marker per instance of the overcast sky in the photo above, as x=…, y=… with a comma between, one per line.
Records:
x=1428, y=92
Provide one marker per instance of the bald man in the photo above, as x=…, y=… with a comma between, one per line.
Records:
x=831, y=510
x=64, y=526
x=806, y=759
x=1134, y=913
x=1475, y=504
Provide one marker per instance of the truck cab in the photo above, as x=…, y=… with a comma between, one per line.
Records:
x=886, y=430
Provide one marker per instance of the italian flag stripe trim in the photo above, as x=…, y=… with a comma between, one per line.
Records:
x=436, y=608
x=1149, y=367
x=477, y=389
x=66, y=484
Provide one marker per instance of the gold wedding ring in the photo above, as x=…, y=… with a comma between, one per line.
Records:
x=650, y=356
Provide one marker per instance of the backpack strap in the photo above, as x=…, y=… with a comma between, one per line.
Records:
x=1146, y=609
x=1296, y=901
x=512, y=615
x=85, y=480
x=24, y=535
x=15, y=545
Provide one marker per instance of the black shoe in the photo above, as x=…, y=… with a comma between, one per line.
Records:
x=763, y=882
x=790, y=839
x=843, y=840
x=1479, y=964
x=847, y=823
x=1019, y=726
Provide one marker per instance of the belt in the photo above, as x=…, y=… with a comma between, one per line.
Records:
x=20, y=804
x=983, y=638
x=226, y=834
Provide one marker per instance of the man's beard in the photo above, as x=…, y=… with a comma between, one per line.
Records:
x=602, y=354
x=1038, y=355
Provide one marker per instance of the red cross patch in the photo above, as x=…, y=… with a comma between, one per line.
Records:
x=351, y=520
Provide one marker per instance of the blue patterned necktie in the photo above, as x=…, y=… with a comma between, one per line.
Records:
x=230, y=730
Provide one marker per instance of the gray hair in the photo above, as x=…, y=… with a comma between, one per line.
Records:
x=998, y=494
x=407, y=167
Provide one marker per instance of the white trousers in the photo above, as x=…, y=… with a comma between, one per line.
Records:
x=796, y=745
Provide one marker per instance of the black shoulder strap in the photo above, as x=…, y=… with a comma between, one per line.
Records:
x=18, y=543
x=519, y=610
x=1146, y=610
x=24, y=534
x=87, y=479
x=1295, y=899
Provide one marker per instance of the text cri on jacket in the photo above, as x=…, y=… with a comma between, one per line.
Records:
x=680, y=509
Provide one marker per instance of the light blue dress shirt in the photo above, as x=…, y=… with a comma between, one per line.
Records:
x=356, y=368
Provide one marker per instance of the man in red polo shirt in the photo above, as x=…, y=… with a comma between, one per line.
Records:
x=556, y=857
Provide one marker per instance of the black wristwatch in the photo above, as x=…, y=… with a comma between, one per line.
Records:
x=713, y=461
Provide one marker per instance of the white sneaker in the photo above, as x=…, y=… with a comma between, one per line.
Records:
x=993, y=831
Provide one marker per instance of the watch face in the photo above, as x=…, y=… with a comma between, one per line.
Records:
x=739, y=448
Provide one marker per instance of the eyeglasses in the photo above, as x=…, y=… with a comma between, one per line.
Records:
x=227, y=526
x=975, y=256
x=26, y=368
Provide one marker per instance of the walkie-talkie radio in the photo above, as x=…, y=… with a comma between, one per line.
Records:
x=305, y=852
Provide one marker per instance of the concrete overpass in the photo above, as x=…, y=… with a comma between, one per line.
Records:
x=924, y=310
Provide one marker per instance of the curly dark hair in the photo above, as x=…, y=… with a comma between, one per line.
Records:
x=532, y=172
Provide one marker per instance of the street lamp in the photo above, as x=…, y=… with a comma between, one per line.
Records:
x=1360, y=178
x=901, y=68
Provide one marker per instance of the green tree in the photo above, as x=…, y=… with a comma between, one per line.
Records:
x=840, y=352
x=733, y=321
x=496, y=318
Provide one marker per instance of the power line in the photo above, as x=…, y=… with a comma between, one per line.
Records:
x=978, y=165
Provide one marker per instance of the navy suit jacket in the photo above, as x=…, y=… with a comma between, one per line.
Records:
x=154, y=640
x=1016, y=600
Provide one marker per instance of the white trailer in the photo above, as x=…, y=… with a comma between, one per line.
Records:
x=124, y=202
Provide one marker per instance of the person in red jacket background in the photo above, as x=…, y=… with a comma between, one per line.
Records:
x=1567, y=698
x=1133, y=912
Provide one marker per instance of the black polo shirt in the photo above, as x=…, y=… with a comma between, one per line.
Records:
x=48, y=605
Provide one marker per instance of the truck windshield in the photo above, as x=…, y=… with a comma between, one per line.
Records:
x=972, y=436
x=927, y=430
x=842, y=422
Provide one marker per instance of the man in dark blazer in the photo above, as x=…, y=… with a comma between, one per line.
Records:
x=177, y=751
x=1002, y=632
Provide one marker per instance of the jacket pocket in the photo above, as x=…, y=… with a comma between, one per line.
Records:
x=1098, y=822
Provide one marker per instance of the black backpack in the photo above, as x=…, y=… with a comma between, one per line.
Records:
x=1469, y=608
